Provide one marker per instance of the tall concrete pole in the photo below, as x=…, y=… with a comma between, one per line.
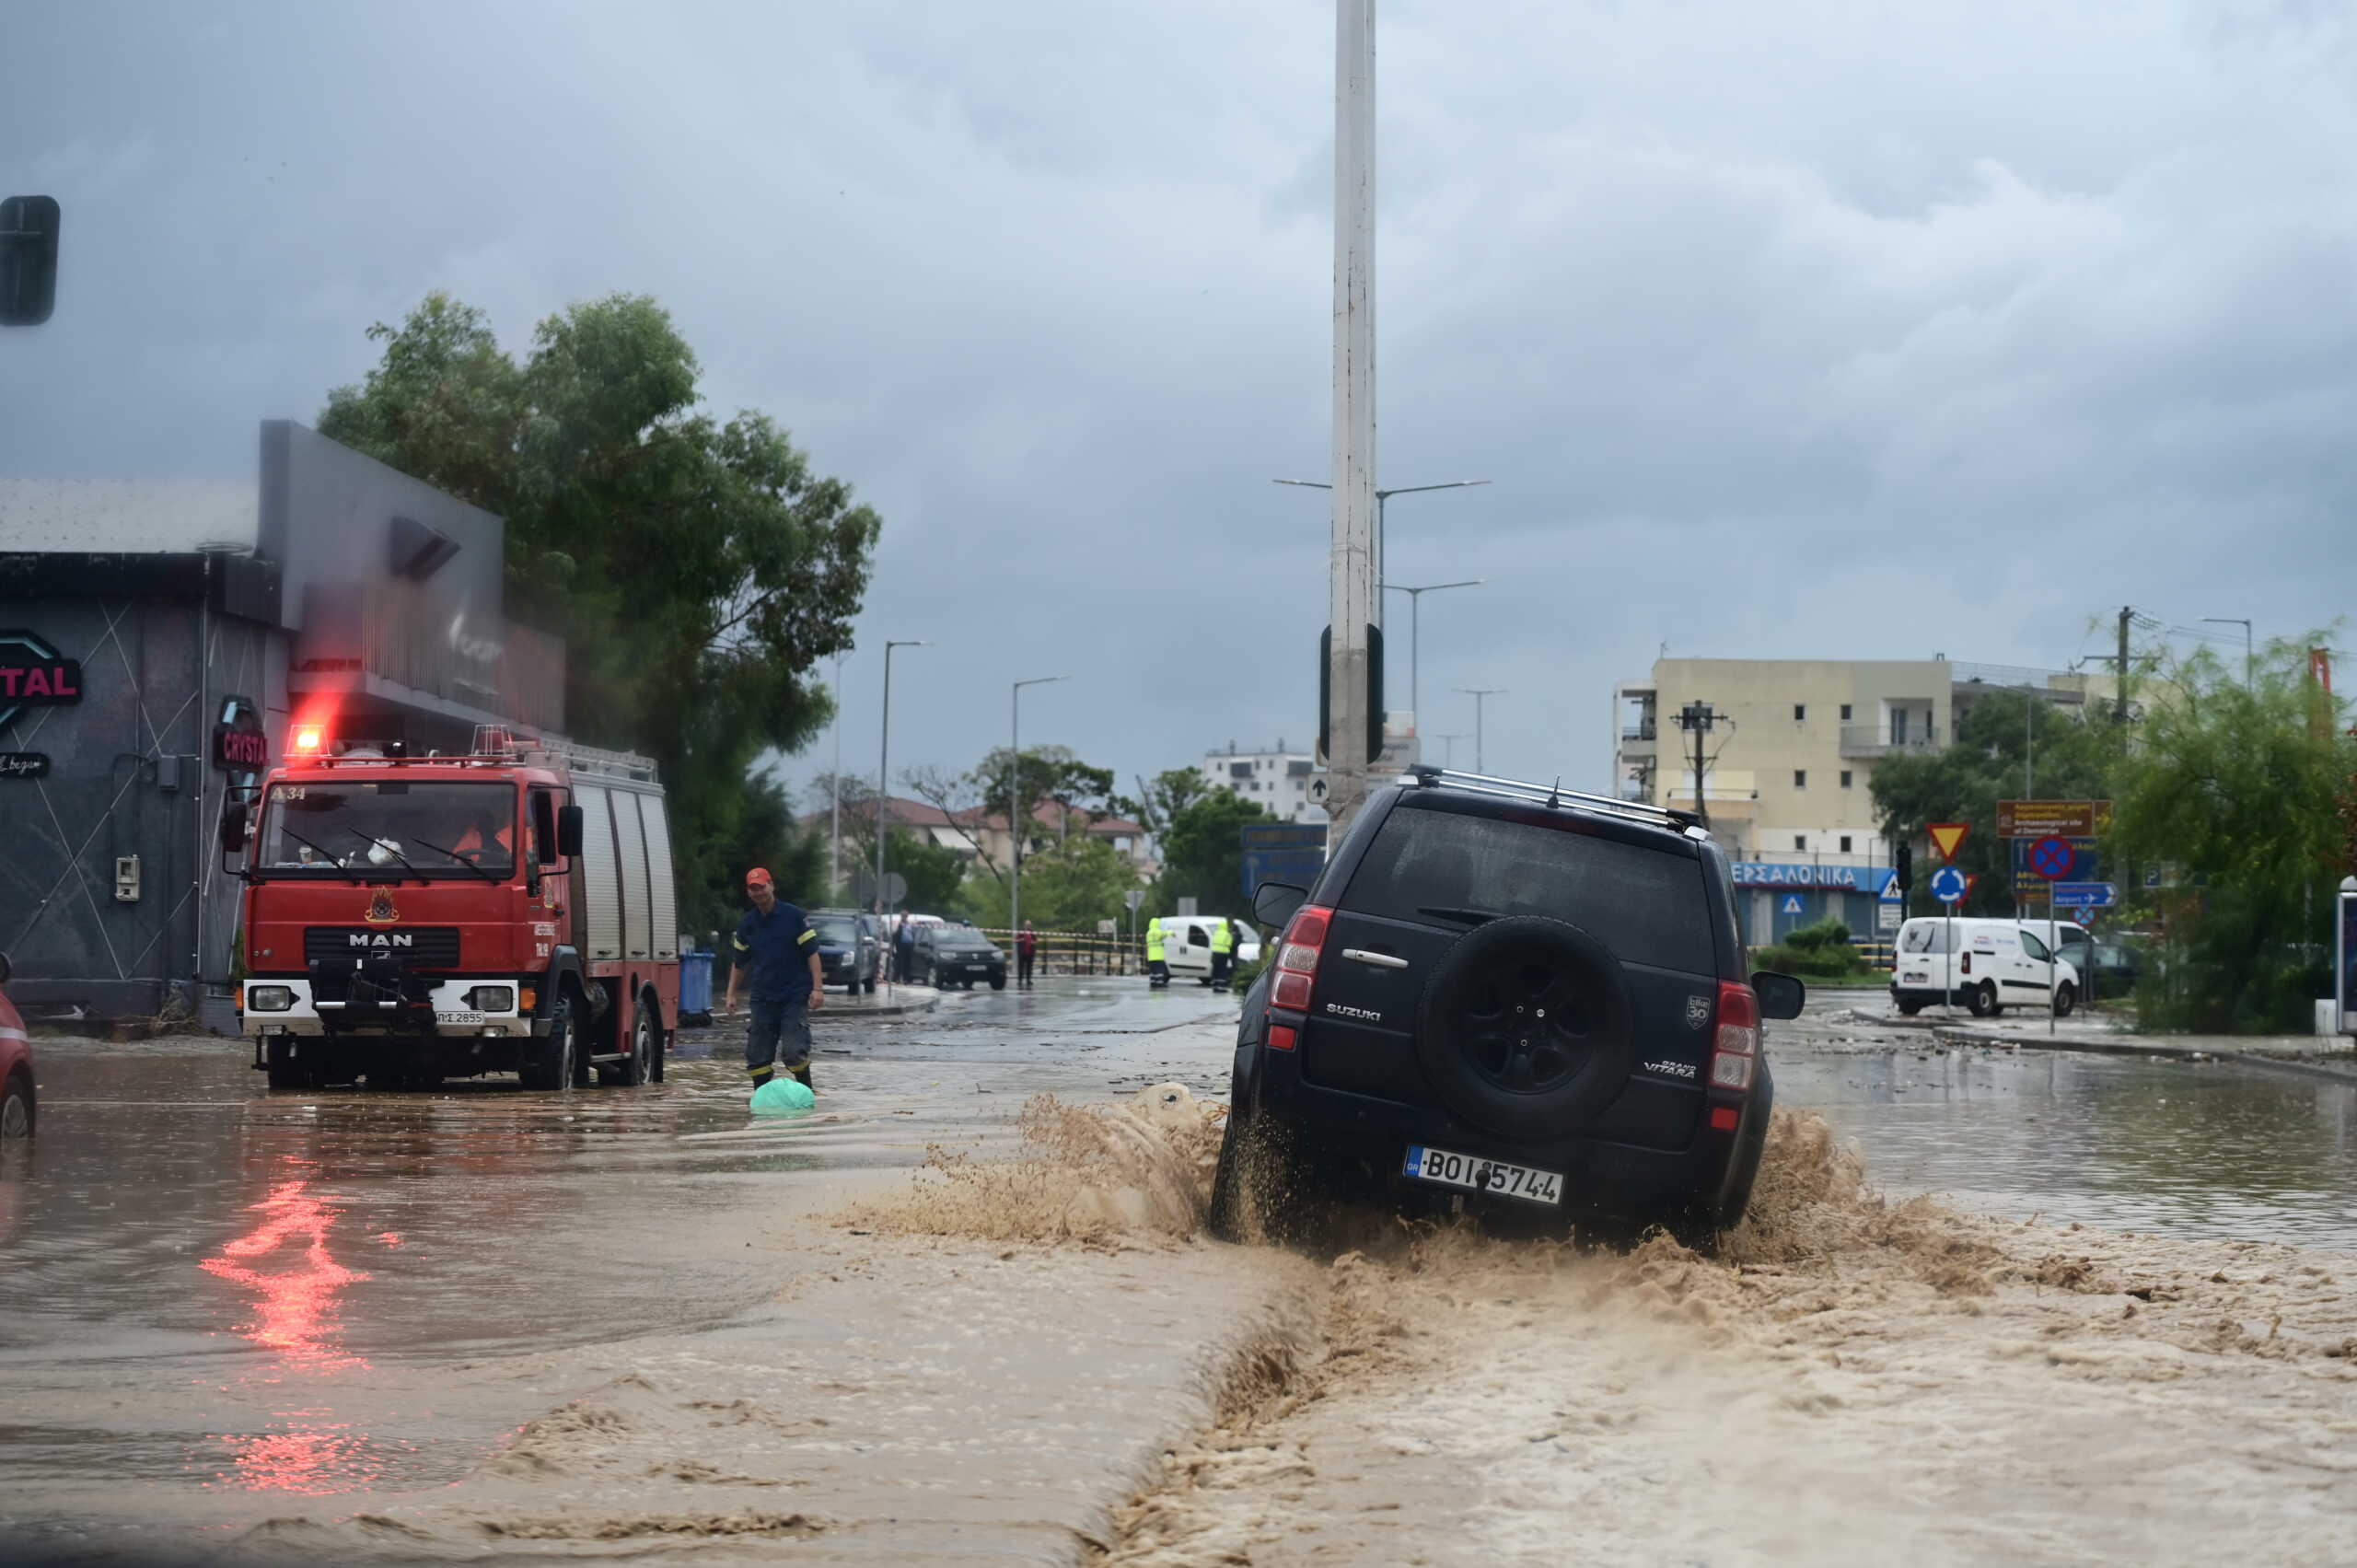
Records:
x=1354, y=602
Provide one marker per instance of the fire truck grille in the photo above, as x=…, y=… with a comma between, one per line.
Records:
x=428, y=946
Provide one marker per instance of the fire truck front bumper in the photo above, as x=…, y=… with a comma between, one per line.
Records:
x=288, y=1006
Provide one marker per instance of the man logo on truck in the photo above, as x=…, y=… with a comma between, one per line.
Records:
x=380, y=939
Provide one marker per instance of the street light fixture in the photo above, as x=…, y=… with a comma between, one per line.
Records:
x=2237, y=620
x=1415, y=641
x=1015, y=801
x=1451, y=742
x=1383, y=495
x=1479, y=694
x=883, y=772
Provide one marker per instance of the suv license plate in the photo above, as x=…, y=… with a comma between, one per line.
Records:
x=1475, y=1174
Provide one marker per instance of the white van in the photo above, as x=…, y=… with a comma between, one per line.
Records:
x=1987, y=965
x=1187, y=945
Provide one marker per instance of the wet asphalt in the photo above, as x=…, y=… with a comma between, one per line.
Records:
x=211, y=1293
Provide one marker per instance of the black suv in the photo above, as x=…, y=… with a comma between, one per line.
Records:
x=851, y=950
x=1511, y=997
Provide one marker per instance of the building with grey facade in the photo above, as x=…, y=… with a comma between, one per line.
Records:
x=157, y=643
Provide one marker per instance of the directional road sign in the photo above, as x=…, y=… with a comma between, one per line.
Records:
x=1948, y=885
x=1948, y=837
x=2086, y=895
x=2053, y=818
x=2053, y=858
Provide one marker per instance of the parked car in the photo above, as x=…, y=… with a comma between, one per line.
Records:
x=1987, y=965
x=19, y=1105
x=1509, y=998
x=2115, y=967
x=851, y=948
x=1187, y=945
x=957, y=955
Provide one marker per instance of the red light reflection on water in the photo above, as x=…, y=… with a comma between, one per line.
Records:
x=295, y=1300
x=312, y=1462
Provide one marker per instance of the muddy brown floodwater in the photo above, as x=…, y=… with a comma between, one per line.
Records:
x=488, y=1326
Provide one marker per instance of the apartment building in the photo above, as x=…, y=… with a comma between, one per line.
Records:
x=1787, y=762
x=1291, y=785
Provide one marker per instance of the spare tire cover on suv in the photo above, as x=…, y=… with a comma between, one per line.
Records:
x=1525, y=1026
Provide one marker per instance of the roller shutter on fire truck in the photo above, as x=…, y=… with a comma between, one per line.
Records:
x=602, y=903
x=658, y=868
x=633, y=839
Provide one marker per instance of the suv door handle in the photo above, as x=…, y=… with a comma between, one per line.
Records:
x=1380, y=960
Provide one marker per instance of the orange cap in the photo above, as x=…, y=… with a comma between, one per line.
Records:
x=757, y=877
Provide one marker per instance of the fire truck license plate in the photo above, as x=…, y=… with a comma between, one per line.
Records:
x=458, y=1017
x=1446, y=1169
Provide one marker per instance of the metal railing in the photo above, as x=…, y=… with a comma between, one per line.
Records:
x=1876, y=740
x=1074, y=952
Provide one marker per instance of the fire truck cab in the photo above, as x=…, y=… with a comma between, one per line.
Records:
x=410, y=919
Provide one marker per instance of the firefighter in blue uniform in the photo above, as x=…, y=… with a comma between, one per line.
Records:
x=776, y=957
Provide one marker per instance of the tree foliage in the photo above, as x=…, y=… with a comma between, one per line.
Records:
x=1067, y=887
x=2070, y=758
x=1202, y=856
x=1172, y=791
x=698, y=569
x=2233, y=792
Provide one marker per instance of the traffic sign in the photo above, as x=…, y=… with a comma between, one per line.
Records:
x=1792, y=903
x=2053, y=818
x=2086, y=895
x=1892, y=893
x=1948, y=885
x=2084, y=914
x=2053, y=858
x=1948, y=837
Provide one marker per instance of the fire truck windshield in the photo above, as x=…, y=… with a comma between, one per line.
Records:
x=397, y=825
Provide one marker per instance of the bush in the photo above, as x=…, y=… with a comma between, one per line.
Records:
x=1830, y=936
x=1831, y=962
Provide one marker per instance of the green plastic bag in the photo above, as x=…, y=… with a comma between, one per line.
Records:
x=781, y=1093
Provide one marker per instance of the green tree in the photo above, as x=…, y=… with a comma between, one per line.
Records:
x=1171, y=792
x=2071, y=759
x=744, y=829
x=934, y=871
x=1072, y=886
x=2233, y=788
x=1202, y=856
x=698, y=569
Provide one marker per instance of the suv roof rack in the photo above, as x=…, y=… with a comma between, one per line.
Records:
x=1428, y=776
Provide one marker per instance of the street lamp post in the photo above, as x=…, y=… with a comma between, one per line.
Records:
x=1479, y=694
x=835, y=811
x=1015, y=801
x=2237, y=620
x=883, y=770
x=1381, y=496
x=1451, y=742
x=1415, y=634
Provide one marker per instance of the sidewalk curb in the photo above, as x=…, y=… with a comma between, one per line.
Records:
x=2161, y=1053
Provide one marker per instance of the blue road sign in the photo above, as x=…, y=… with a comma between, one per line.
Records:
x=1282, y=851
x=2053, y=858
x=1948, y=884
x=1792, y=903
x=2086, y=895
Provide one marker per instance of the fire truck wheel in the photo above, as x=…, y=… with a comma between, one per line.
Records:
x=549, y=1058
x=640, y=1067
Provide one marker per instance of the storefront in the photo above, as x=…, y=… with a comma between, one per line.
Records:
x=1774, y=898
x=156, y=641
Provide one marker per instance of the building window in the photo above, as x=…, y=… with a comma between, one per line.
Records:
x=1845, y=844
x=1846, y=776
x=1800, y=713
x=1800, y=778
x=1800, y=841
x=1845, y=713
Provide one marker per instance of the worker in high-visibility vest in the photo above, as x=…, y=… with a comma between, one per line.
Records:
x=1157, y=968
x=1223, y=952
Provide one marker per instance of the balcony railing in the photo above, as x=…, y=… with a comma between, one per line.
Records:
x=1881, y=741
x=1638, y=731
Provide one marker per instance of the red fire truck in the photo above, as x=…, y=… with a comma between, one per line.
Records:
x=409, y=919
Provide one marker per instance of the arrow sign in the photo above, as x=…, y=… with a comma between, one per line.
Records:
x=1948, y=837
x=2086, y=895
x=1948, y=885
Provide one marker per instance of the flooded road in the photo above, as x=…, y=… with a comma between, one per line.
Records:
x=488, y=1324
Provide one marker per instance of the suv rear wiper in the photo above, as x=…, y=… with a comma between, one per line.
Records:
x=1471, y=917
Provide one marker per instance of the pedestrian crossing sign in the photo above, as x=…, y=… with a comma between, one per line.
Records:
x=1792, y=903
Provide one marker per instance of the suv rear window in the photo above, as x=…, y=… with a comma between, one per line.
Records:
x=1647, y=905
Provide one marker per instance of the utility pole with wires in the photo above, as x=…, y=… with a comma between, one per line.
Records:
x=1698, y=718
x=1355, y=602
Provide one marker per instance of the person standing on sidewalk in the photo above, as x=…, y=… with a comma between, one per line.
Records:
x=1027, y=948
x=1223, y=952
x=776, y=956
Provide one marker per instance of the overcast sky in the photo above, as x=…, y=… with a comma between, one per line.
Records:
x=1803, y=331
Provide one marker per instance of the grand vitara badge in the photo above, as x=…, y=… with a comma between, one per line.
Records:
x=1698, y=1011
x=381, y=910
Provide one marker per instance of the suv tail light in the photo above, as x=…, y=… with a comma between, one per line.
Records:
x=1735, y=1052
x=1297, y=953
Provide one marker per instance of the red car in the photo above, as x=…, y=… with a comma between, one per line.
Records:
x=17, y=1105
